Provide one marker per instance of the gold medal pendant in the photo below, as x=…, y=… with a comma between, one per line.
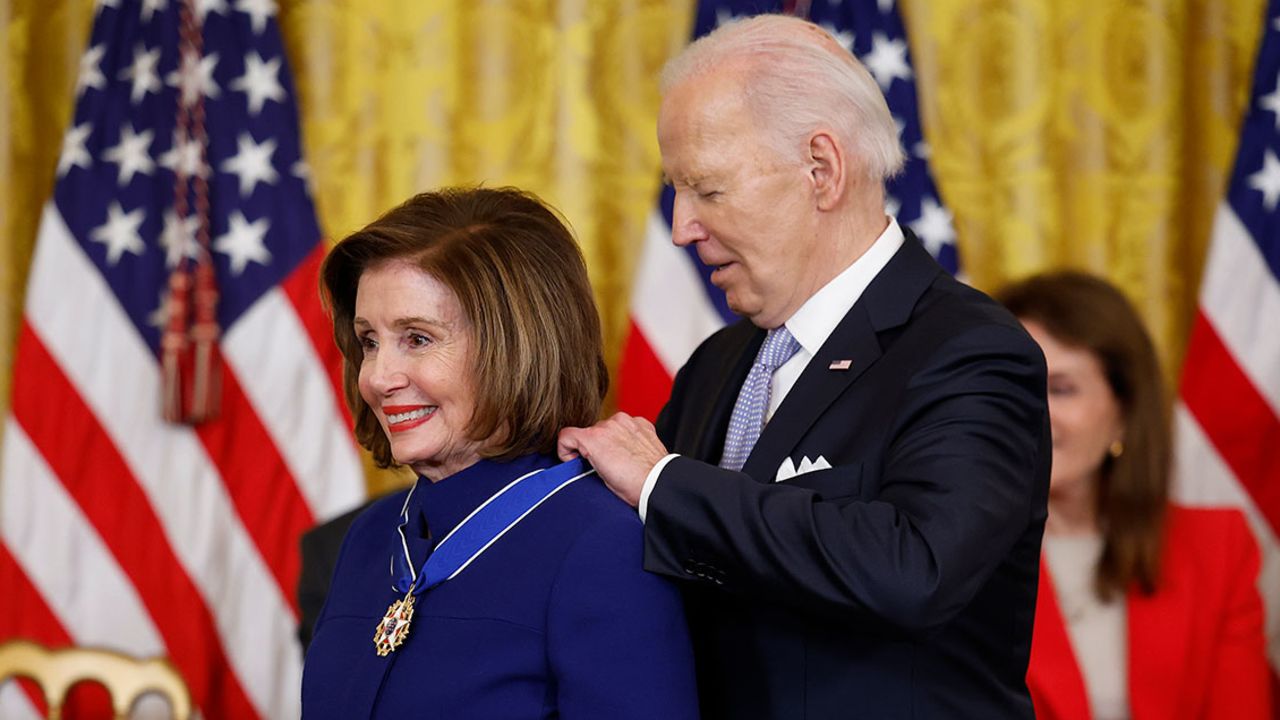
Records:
x=394, y=627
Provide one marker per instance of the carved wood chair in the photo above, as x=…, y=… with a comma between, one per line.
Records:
x=125, y=678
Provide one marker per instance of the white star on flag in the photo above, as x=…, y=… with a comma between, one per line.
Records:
x=101, y=4
x=132, y=153
x=143, y=73
x=1267, y=180
x=179, y=238
x=150, y=7
x=252, y=162
x=887, y=60
x=243, y=242
x=260, y=82
x=844, y=37
x=195, y=78
x=74, y=153
x=1271, y=102
x=892, y=205
x=90, y=75
x=885, y=6
x=259, y=11
x=120, y=232
x=185, y=157
x=204, y=7
x=934, y=225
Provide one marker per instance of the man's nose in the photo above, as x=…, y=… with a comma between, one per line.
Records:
x=686, y=228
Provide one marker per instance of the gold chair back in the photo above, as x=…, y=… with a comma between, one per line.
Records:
x=125, y=678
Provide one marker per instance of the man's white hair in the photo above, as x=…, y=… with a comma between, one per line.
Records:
x=795, y=82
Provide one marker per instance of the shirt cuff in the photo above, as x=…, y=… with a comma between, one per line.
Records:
x=650, y=480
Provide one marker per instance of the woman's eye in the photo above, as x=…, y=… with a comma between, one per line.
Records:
x=368, y=344
x=1061, y=389
x=418, y=340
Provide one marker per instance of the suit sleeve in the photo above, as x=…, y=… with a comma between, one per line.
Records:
x=1240, y=682
x=617, y=639
x=960, y=482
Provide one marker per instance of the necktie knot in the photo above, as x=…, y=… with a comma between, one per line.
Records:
x=777, y=349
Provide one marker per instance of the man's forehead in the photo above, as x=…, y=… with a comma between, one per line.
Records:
x=711, y=95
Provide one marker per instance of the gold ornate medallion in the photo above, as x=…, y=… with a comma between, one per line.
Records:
x=394, y=627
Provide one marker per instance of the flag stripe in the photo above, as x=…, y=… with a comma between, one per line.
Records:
x=1235, y=418
x=280, y=373
x=24, y=614
x=1203, y=479
x=93, y=472
x=1242, y=301
x=669, y=305
x=60, y=552
x=649, y=383
x=258, y=482
x=199, y=520
x=302, y=287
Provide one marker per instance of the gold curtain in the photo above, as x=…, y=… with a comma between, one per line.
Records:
x=1095, y=135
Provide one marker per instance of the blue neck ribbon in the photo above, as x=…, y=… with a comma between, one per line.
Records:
x=481, y=528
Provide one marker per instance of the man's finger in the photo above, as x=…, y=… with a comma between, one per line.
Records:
x=567, y=443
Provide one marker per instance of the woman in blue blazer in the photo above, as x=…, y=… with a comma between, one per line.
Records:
x=503, y=584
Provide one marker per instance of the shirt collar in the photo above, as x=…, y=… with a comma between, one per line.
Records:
x=814, y=322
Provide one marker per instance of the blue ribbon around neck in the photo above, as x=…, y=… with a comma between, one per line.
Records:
x=481, y=528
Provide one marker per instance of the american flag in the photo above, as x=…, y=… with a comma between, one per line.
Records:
x=118, y=529
x=674, y=306
x=1228, y=420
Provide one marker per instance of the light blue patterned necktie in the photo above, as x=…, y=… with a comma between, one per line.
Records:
x=753, y=399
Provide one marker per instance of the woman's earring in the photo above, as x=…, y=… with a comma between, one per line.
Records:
x=1116, y=449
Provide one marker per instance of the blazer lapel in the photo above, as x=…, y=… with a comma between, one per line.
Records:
x=724, y=388
x=886, y=303
x=1160, y=625
x=1054, y=677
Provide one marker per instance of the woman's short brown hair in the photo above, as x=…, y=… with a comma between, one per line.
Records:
x=520, y=279
x=1087, y=312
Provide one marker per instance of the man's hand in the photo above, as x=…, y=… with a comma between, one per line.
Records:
x=623, y=450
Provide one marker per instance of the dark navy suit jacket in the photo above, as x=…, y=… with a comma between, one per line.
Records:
x=556, y=620
x=899, y=583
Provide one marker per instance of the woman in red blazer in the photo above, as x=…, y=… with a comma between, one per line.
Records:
x=1146, y=609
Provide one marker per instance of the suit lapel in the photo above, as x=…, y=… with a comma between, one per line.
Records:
x=887, y=303
x=709, y=444
x=815, y=390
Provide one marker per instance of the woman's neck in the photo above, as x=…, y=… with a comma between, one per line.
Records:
x=1073, y=510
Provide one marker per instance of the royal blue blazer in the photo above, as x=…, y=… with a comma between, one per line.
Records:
x=556, y=619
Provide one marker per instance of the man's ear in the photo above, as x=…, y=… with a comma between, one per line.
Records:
x=827, y=169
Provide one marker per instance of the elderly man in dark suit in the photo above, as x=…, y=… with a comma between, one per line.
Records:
x=857, y=473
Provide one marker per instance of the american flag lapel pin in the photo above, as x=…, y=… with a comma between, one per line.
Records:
x=840, y=364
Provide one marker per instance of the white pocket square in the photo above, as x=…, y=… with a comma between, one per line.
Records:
x=788, y=469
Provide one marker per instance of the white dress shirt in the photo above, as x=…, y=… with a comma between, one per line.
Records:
x=811, y=325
